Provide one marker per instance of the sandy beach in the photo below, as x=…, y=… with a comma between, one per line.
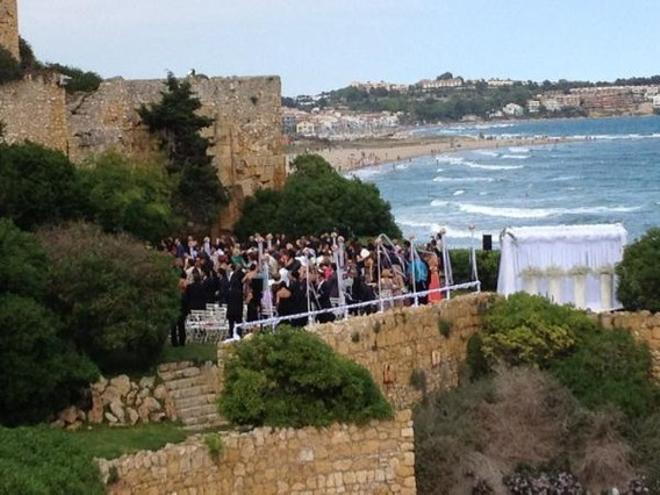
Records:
x=351, y=155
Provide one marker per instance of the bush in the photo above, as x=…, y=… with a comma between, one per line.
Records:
x=118, y=299
x=10, y=68
x=639, y=274
x=45, y=461
x=291, y=378
x=647, y=446
x=317, y=199
x=85, y=81
x=609, y=367
x=526, y=329
x=24, y=266
x=39, y=373
x=488, y=265
x=127, y=197
x=37, y=185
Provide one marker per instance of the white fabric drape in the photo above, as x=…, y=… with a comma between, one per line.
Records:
x=568, y=264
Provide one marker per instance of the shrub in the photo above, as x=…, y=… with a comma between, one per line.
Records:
x=10, y=68
x=80, y=80
x=118, y=298
x=128, y=197
x=24, y=266
x=44, y=461
x=647, y=445
x=39, y=373
x=609, y=367
x=318, y=199
x=476, y=360
x=639, y=274
x=291, y=378
x=214, y=443
x=488, y=265
x=444, y=328
x=37, y=185
x=526, y=329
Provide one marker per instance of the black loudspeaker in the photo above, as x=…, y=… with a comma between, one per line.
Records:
x=487, y=242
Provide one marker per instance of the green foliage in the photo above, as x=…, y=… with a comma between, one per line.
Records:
x=39, y=373
x=29, y=62
x=128, y=197
x=609, y=367
x=291, y=378
x=488, y=265
x=444, y=327
x=476, y=360
x=10, y=68
x=37, y=185
x=118, y=299
x=646, y=448
x=80, y=80
x=176, y=121
x=639, y=273
x=214, y=443
x=526, y=329
x=317, y=199
x=45, y=461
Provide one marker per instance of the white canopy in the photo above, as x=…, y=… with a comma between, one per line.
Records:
x=566, y=263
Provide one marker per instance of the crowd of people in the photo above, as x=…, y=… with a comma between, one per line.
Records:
x=275, y=276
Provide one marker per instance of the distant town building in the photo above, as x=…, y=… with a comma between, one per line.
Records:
x=306, y=129
x=431, y=84
x=513, y=110
x=551, y=105
x=500, y=82
x=533, y=106
x=370, y=86
x=656, y=101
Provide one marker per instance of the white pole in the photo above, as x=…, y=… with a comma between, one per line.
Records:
x=380, y=285
x=309, y=316
x=413, y=269
x=475, y=272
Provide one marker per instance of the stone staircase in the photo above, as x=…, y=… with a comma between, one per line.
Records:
x=194, y=390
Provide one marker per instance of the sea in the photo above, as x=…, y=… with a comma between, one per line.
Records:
x=610, y=174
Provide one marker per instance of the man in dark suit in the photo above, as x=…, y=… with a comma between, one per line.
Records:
x=235, y=296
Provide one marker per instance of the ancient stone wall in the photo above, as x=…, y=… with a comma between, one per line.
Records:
x=410, y=350
x=35, y=110
x=9, y=27
x=246, y=136
x=377, y=458
x=644, y=325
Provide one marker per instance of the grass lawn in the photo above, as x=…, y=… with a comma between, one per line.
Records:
x=109, y=443
x=198, y=353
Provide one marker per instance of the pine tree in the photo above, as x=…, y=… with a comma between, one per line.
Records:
x=176, y=121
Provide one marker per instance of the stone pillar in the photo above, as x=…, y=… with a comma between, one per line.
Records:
x=9, y=27
x=580, y=289
x=554, y=289
x=530, y=284
x=606, y=302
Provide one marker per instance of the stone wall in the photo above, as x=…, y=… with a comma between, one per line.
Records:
x=35, y=110
x=9, y=27
x=377, y=458
x=180, y=391
x=644, y=325
x=246, y=136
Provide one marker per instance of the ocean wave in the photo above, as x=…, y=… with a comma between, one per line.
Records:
x=613, y=137
x=439, y=202
x=459, y=192
x=565, y=178
x=458, y=160
x=487, y=153
x=440, y=170
x=515, y=157
x=518, y=149
x=463, y=179
x=506, y=212
x=450, y=231
x=452, y=160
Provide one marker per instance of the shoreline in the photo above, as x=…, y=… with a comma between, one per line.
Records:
x=346, y=156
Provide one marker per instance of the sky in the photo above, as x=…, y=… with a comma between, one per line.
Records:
x=317, y=45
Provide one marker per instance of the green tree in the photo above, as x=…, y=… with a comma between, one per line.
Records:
x=639, y=273
x=37, y=185
x=79, y=80
x=129, y=197
x=292, y=378
x=317, y=199
x=176, y=120
x=10, y=68
x=39, y=371
x=117, y=298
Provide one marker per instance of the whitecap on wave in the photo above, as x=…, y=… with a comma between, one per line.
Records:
x=518, y=149
x=459, y=192
x=450, y=231
x=516, y=157
x=506, y=212
x=463, y=179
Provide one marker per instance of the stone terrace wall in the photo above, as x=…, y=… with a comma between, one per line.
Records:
x=644, y=325
x=394, y=344
x=375, y=459
x=35, y=110
x=246, y=136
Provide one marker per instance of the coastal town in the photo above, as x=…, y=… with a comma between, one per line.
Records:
x=326, y=118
